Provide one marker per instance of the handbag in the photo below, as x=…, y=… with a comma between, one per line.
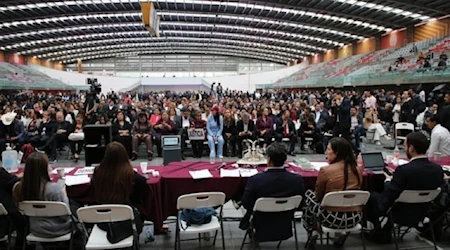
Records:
x=76, y=137
x=197, y=216
x=120, y=230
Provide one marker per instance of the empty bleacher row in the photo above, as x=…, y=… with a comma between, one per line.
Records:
x=377, y=62
x=16, y=76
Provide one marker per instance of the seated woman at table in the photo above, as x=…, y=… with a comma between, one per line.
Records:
x=264, y=128
x=342, y=174
x=115, y=182
x=214, y=127
x=229, y=133
x=121, y=132
x=164, y=126
x=36, y=185
x=142, y=132
x=76, y=137
x=197, y=145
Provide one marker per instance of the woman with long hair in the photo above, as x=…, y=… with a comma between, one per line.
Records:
x=154, y=118
x=121, y=132
x=214, y=127
x=37, y=186
x=264, y=127
x=164, y=126
x=115, y=182
x=341, y=174
x=229, y=133
x=76, y=137
x=371, y=122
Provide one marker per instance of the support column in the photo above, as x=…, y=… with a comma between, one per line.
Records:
x=354, y=48
x=378, y=43
x=79, y=66
x=410, y=34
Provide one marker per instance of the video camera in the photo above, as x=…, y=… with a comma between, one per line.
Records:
x=95, y=87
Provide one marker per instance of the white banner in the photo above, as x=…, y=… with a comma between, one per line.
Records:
x=196, y=134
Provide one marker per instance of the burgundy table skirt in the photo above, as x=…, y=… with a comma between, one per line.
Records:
x=175, y=180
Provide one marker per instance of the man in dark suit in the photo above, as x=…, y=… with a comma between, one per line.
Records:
x=275, y=182
x=245, y=130
x=184, y=122
x=285, y=128
x=341, y=111
x=7, y=182
x=418, y=174
x=444, y=112
x=321, y=116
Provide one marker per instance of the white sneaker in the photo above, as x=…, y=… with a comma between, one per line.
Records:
x=378, y=143
x=220, y=156
x=387, y=137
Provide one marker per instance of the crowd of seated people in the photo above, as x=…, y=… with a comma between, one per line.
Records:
x=336, y=111
x=135, y=118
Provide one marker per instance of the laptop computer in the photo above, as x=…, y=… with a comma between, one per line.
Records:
x=373, y=162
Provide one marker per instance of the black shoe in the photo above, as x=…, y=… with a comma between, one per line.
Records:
x=134, y=156
x=379, y=236
x=292, y=153
x=183, y=158
x=340, y=240
x=149, y=157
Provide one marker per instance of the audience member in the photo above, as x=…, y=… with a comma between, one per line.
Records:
x=440, y=138
x=121, y=132
x=342, y=174
x=142, y=133
x=164, y=126
x=214, y=127
x=372, y=123
x=245, y=131
x=321, y=116
x=76, y=137
x=341, y=113
x=197, y=145
x=264, y=128
x=11, y=130
x=356, y=127
x=229, y=133
x=285, y=128
x=183, y=122
x=275, y=182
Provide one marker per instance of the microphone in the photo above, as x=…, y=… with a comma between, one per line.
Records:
x=222, y=165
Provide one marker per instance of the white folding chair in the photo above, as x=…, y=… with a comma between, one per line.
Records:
x=413, y=197
x=7, y=238
x=402, y=126
x=47, y=209
x=198, y=200
x=350, y=198
x=274, y=205
x=107, y=214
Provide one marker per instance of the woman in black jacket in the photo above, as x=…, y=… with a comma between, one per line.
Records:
x=229, y=134
x=121, y=132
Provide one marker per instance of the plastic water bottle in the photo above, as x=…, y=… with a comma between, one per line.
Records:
x=9, y=159
x=396, y=156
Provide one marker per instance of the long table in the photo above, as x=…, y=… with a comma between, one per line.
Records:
x=174, y=180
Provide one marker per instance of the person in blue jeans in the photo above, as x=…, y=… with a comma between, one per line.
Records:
x=356, y=127
x=214, y=127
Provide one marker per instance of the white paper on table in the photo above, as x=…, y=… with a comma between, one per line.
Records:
x=246, y=172
x=85, y=170
x=77, y=180
x=200, y=174
x=229, y=173
x=402, y=162
x=447, y=167
x=66, y=170
x=318, y=165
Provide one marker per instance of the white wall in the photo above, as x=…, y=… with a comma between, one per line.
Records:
x=241, y=82
x=73, y=78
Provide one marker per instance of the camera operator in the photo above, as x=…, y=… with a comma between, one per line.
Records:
x=91, y=105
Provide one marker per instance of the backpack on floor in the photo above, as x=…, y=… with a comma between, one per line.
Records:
x=26, y=149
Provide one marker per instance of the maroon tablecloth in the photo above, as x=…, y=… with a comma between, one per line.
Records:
x=175, y=180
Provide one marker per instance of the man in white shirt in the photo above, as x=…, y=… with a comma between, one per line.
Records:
x=440, y=138
x=371, y=101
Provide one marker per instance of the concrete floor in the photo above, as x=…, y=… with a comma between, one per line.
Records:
x=234, y=235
